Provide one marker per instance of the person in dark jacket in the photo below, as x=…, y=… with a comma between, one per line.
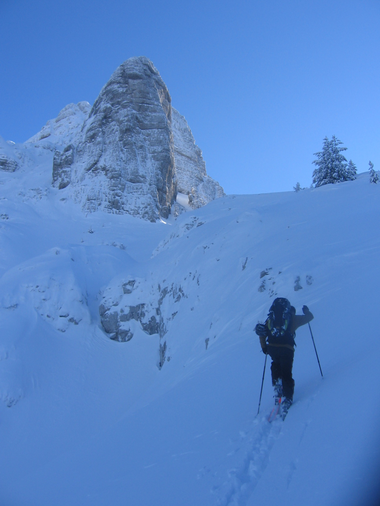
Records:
x=281, y=349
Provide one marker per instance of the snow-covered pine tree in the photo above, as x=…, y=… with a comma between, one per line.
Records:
x=373, y=175
x=331, y=165
x=351, y=171
x=297, y=187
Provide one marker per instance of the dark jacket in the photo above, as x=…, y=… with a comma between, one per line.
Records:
x=297, y=321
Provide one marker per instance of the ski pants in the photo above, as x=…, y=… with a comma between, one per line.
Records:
x=281, y=368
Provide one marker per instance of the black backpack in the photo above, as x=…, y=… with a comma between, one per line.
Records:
x=279, y=322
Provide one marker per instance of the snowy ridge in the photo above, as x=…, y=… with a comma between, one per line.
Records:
x=163, y=411
x=14, y=157
x=64, y=129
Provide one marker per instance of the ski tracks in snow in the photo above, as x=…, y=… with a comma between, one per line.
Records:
x=242, y=481
x=262, y=435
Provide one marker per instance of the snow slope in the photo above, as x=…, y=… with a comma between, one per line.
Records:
x=85, y=420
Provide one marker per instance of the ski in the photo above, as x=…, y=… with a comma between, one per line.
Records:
x=280, y=409
x=275, y=411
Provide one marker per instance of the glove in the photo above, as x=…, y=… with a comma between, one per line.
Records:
x=305, y=310
x=265, y=350
x=261, y=330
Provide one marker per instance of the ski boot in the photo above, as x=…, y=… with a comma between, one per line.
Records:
x=277, y=392
x=285, y=405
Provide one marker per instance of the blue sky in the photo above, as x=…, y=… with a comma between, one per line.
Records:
x=261, y=83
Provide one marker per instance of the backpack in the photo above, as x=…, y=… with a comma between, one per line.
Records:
x=279, y=321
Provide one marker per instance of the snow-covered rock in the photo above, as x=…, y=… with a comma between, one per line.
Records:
x=62, y=130
x=123, y=162
x=9, y=159
x=16, y=156
x=133, y=152
x=55, y=135
x=141, y=305
x=192, y=178
x=56, y=297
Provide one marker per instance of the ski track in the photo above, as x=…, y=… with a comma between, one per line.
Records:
x=264, y=434
x=244, y=480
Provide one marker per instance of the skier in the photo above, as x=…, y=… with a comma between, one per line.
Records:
x=277, y=340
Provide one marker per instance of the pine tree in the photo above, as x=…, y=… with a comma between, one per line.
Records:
x=351, y=171
x=373, y=175
x=331, y=165
x=297, y=187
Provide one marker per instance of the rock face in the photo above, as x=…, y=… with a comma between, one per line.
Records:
x=124, y=161
x=192, y=178
x=7, y=164
x=130, y=153
x=9, y=161
x=56, y=134
x=126, y=309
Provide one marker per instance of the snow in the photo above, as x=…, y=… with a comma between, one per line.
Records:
x=63, y=130
x=85, y=420
x=183, y=200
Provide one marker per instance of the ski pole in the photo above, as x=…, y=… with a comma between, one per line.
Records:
x=312, y=337
x=262, y=384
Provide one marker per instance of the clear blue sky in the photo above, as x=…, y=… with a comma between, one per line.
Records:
x=261, y=82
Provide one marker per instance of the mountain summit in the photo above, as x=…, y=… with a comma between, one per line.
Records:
x=131, y=153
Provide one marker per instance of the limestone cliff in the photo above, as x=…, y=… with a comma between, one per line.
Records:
x=123, y=161
x=131, y=152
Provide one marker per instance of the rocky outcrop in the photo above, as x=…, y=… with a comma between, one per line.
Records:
x=7, y=164
x=129, y=153
x=121, y=306
x=9, y=158
x=136, y=306
x=124, y=160
x=62, y=163
x=133, y=152
x=55, y=136
x=192, y=178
